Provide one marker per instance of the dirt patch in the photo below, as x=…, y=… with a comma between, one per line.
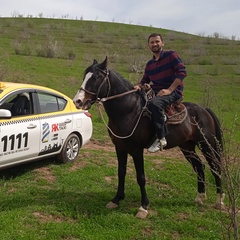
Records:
x=97, y=145
x=78, y=164
x=173, y=153
x=46, y=174
x=51, y=218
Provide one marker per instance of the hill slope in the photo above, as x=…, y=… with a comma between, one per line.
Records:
x=55, y=53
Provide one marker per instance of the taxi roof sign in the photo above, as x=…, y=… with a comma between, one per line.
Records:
x=2, y=85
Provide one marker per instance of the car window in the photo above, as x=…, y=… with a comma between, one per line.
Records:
x=19, y=104
x=50, y=103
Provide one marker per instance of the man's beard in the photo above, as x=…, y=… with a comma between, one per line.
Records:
x=156, y=50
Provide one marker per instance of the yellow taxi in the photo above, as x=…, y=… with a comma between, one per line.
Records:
x=38, y=122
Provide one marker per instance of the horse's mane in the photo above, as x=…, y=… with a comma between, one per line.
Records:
x=123, y=80
x=125, y=84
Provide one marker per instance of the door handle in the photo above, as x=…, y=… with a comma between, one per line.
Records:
x=67, y=121
x=31, y=126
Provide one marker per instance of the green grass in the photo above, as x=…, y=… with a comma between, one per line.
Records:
x=68, y=201
x=44, y=200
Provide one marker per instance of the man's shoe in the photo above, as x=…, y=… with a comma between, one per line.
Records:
x=163, y=142
x=157, y=145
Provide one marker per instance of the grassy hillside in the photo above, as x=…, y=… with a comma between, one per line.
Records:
x=47, y=201
x=55, y=53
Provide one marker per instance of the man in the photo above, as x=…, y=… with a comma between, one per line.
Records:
x=165, y=71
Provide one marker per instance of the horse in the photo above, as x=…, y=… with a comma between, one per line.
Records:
x=131, y=131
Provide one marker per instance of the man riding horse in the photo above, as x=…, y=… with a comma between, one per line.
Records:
x=166, y=72
x=131, y=130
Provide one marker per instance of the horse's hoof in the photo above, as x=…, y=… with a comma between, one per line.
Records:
x=142, y=213
x=111, y=205
x=200, y=198
x=220, y=206
x=220, y=202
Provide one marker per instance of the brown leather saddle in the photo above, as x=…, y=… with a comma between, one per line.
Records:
x=176, y=113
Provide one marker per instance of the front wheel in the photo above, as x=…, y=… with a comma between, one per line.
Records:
x=70, y=149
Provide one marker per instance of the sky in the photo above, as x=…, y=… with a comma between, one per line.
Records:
x=204, y=17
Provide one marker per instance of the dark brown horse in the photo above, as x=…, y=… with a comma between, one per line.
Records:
x=131, y=131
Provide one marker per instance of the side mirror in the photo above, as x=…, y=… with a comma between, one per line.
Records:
x=4, y=113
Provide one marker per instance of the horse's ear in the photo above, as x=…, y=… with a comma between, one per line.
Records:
x=106, y=62
x=95, y=61
x=103, y=65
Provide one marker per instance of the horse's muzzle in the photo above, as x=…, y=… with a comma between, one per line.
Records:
x=85, y=104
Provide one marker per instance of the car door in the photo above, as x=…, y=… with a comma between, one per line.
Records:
x=55, y=123
x=19, y=135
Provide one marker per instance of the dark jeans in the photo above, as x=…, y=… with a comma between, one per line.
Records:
x=156, y=107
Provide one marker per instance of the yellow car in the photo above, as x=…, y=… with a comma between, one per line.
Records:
x=38, y=122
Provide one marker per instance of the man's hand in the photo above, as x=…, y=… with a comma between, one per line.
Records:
x=168, y=91
x=137, y=87
x=147, y=86
x=164, y=92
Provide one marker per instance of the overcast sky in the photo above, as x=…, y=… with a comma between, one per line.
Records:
x=204, y=17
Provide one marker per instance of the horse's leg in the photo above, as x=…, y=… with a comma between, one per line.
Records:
x=214, y=160
x=139, y=166
x=198, y=166
x=122, y=166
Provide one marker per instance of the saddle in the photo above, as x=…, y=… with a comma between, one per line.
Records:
x=175, y=112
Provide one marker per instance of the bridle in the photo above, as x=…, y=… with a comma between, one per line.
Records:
x=106, y=79
x=104, y=99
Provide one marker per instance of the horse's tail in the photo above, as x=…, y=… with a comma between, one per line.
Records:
x=219, y=135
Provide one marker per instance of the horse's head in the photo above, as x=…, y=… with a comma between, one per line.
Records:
x=93, y=86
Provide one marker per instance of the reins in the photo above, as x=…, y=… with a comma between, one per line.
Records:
x=109, y=88
x=99, y=104
x=116, y=96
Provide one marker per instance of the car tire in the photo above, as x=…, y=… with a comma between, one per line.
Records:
x=70, y=149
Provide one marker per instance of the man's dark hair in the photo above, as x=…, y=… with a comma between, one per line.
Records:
x=155, y=35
